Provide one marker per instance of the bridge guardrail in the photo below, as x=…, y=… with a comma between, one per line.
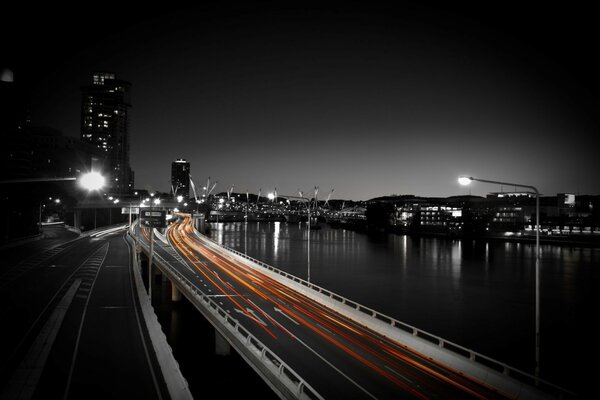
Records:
x=474, y=356
x=292, y=380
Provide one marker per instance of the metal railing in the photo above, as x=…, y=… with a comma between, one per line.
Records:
x=474, y=356
x=297, y=386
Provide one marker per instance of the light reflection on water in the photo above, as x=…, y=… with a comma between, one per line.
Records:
x=477, y=294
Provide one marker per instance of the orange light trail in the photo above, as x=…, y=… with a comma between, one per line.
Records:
x=303, y=310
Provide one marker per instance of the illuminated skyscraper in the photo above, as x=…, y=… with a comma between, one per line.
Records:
x=180, y=178
x=105, y=124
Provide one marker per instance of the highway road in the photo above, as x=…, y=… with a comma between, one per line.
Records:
x=336, y=356
x=71, y=326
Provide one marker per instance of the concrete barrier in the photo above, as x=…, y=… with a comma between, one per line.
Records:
x=176, y=383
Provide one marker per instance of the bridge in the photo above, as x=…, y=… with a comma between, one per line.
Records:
x=309, y=343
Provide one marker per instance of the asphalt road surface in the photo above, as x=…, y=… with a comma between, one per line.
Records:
x=71, y=327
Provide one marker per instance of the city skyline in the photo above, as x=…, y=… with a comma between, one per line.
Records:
x=366, y=100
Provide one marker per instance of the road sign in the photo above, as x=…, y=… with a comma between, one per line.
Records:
x=153, y=219
x=134, y=210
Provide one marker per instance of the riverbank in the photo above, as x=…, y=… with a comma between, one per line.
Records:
x=576, y=239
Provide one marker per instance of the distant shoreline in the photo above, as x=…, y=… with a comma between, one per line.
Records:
x=582, y=240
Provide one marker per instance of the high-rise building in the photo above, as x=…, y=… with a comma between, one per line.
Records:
x=180, y=178
x=105, y=124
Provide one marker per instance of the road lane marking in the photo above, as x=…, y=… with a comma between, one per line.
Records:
x=87, y=302
x=336, y=369
x=251, y=311
x=398, y=374
x=285, y=315
x=252, y=317
x=26, y=377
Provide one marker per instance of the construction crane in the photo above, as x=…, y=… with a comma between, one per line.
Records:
x=328, y=197
x=211, y=189
x=193, y=188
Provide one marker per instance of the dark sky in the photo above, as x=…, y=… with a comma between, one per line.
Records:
x=366, y=98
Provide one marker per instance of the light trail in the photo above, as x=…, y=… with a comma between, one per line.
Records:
x=412, y=372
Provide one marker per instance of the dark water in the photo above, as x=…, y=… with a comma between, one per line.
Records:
x=477, y=294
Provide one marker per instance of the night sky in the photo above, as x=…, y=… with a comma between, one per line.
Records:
x=364, y=98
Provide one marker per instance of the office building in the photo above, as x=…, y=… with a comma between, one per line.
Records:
x=180, y=178
x=104, y=124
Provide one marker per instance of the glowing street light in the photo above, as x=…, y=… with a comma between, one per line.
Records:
x=464, y=180
x=92, y=181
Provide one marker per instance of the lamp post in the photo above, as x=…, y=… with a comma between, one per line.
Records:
x=464, y=180
x=92, y=181
x=150, y=261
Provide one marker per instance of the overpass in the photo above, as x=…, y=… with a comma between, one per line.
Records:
x=307, y=342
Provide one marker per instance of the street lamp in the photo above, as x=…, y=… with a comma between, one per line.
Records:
x=464, y=180
x=92, y=181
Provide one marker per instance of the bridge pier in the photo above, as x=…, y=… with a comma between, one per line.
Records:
x=175, y=293
x=222, y=346
x=77, y=218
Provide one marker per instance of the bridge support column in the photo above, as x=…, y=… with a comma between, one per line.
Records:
x=175, y=293
x=222, y=346
x=77, y=218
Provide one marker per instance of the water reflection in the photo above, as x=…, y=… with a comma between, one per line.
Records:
x=276, y=238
